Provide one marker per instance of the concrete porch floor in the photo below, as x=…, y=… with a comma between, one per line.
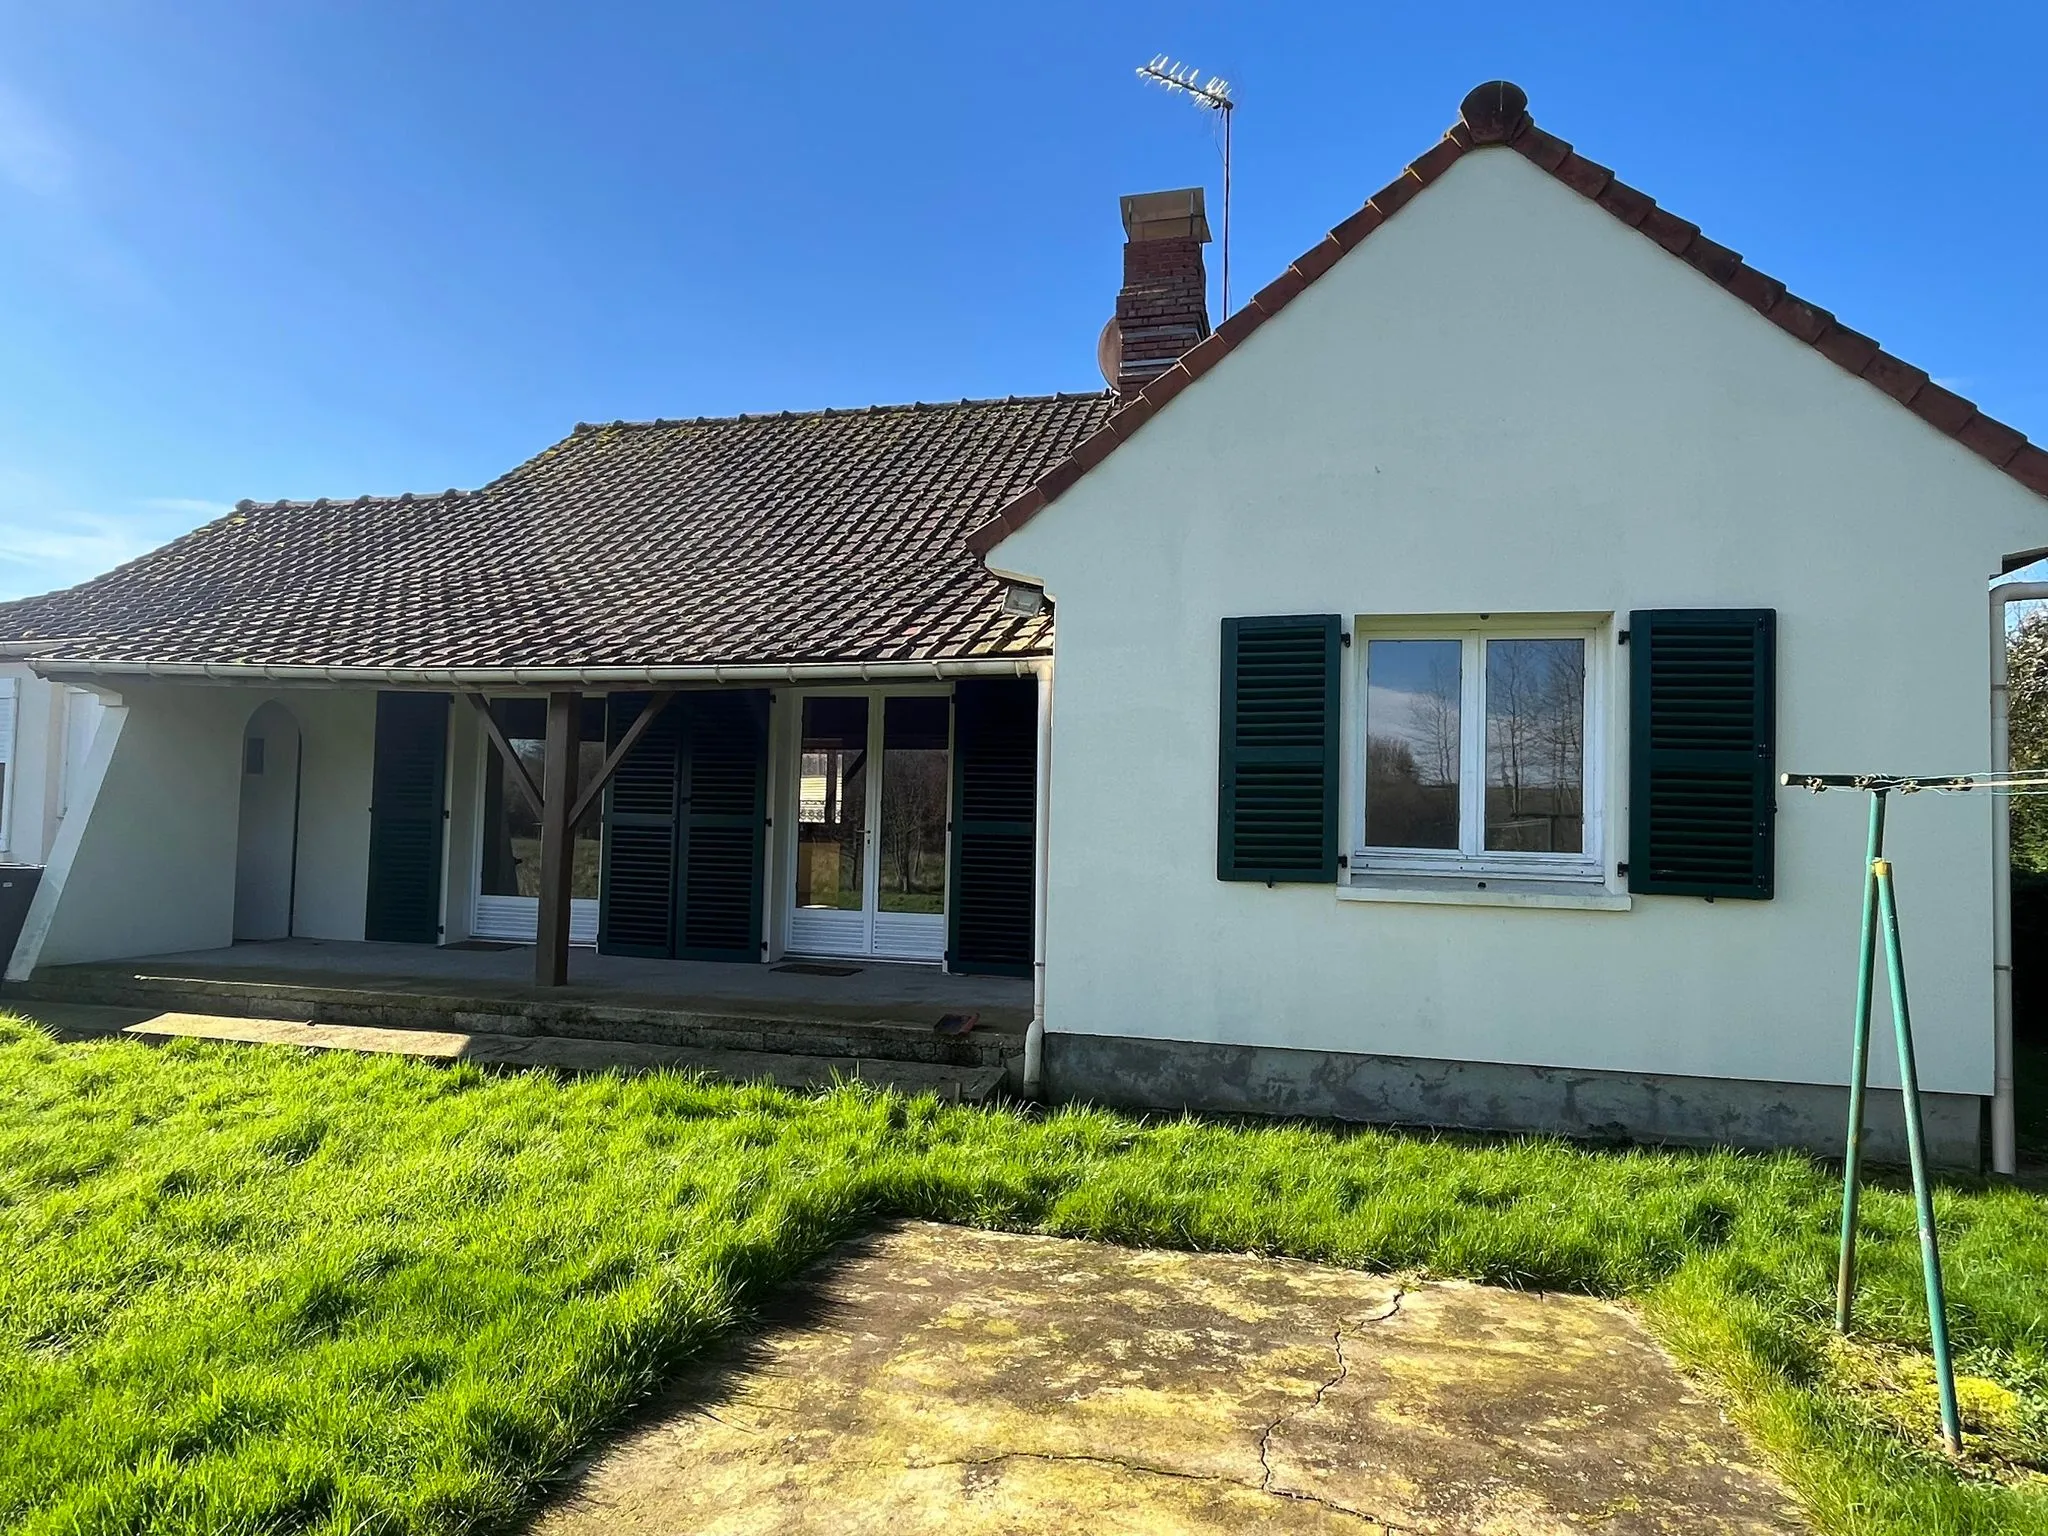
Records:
x=879, y=990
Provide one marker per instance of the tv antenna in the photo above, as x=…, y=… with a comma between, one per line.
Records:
x=1212, y=95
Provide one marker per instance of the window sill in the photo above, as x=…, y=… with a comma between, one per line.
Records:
x=1465, y=891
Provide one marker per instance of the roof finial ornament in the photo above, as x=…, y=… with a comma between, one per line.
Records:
x=1495, y=112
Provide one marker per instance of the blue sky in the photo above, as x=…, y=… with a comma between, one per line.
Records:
x=318, y=249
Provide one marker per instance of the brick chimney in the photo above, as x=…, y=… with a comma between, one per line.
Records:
x=1163, y=307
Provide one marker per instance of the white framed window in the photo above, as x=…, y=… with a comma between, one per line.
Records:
x=1480, y=748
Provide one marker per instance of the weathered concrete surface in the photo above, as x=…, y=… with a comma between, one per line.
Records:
x=501, y=980
x=87, y=1020
x=942, y=1380
x=1498, y=1096
x=880, y=1013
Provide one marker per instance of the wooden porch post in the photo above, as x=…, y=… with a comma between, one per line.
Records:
x=557, y=848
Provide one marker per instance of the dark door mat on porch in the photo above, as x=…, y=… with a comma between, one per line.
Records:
x=486, y=944
x=812, y=968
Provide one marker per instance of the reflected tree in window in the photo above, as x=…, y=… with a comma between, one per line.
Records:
x=1535, y=745
x=1412, y=743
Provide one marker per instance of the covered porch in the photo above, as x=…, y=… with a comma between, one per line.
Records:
x=485, y=976
x=872, y=814
x=605, y=861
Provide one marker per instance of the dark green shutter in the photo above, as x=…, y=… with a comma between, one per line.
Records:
x=1276, y=811
x=685, y=822
x=636, y=912
x=408, y=779
x=1702, y=751
x=724, y=802
x=995, y=809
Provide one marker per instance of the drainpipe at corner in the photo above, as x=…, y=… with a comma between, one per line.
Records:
x=1034, y=1034
x=2004, y=1129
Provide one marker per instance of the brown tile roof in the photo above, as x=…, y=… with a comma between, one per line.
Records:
x=824, y=536
x=1496, y=113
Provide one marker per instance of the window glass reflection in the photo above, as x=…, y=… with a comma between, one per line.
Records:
x=832, y=804
x=1536, y=746
x=1412, y=743
x=912, y=874
x=511, y=861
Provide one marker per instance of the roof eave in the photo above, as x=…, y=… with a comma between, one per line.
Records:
x=842, y=673
x=1495, y=115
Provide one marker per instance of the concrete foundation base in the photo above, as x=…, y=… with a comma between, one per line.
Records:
x=1493, y=1096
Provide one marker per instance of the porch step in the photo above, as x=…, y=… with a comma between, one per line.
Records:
x=906, y=1040
x=969, y=1085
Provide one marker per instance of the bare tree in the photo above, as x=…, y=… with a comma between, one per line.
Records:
x=1433, y=720
x=1514, y=713
x=914, y=817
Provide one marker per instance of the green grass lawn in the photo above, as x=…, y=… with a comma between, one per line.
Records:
x=250, y=1290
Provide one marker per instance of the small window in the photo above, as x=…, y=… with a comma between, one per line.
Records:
x=1480, y=752
x=252, y=754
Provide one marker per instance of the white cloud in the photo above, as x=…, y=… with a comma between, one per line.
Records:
x=64, y=551
x=48, y=540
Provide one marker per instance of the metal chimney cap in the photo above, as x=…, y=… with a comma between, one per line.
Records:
x=1176, y=215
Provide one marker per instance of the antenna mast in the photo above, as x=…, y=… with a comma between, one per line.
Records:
x=1212, y=95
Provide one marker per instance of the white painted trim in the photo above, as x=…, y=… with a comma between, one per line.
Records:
x=2004, y=1116
x=542, y=679
x=864, y=933
x=1034, y=1032
x=42, y=910
x=10, y=702
x=517, y=919
x=1438, y=891
x=1369, y=864
x=910, y=936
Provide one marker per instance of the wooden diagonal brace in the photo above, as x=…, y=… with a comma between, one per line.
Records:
x=595, y=788
x=520, y=775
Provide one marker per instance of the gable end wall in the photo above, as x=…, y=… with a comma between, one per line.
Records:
x=1508, y=401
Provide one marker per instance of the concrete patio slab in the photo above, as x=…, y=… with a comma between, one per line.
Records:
x=935, y=1379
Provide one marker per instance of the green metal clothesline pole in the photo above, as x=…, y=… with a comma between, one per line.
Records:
x=1916, y=1147
x=1859, y=1071
x=1881, y=916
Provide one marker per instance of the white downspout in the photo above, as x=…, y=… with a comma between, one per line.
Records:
x=1034, y=1034
x=2004, y=1128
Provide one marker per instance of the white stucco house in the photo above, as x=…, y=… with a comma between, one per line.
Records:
x=1371, y=709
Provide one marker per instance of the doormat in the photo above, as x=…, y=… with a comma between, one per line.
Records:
x=810, y=968
x=481, y=944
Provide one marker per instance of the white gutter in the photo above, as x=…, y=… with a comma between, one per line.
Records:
x=2004, y=1128
x=1034, y=1034
x=851, y=672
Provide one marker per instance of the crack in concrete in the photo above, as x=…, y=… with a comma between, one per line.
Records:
x=1266, y=1484
x=1146, y=1468
x=728, y=1423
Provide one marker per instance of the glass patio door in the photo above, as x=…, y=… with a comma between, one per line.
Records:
x=873, y=777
